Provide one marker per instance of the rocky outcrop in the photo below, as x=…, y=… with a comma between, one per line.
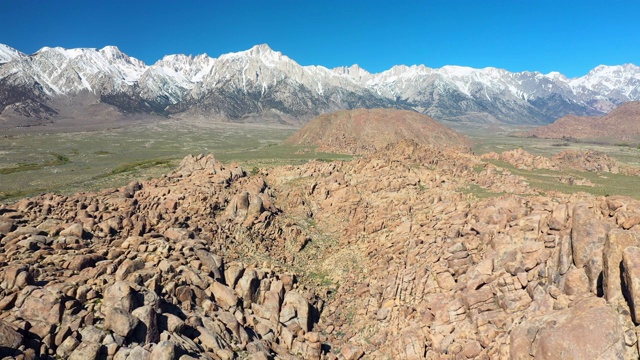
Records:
x=426, y=272
x=587, y=160
x=145, y=272
x=587, y=330
x=384, y=256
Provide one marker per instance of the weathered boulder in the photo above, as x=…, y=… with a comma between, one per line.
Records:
x=120, y=322
x=119, y=295
x=211, y=340
x=224, y=295
x=351, y=352
x=248, y=286
x=138, y=353
x=74, y=230
x=233, y=273
x=16, y=277
x=10, y=339
x=576, y=282
x=631, y=266
x=588, y=330
x=81, y=262
x=410, y=345
x=147, y=330
x=86, y=351
x=295, y=311
x=588, y=235
x=170, y=323
x=91, y=333
x=42, y=306
x=164, y=350
x=213, y=262
x=617, y=241
x=204, y=163
x=128, y=267
x=7, y=226
x=65, y=349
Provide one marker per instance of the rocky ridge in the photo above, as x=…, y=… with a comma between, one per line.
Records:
x=263, y=85
x=383, y=256
x=585, y=160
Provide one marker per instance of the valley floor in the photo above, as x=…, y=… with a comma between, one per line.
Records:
x=54, y=158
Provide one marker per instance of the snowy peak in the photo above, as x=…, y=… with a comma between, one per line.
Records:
x=554, y=75
x=259, y=49
x=621, y=82
x=407, y=71
x=242, y=84
x=457, y=71
x=62, y=71
x=193, y=68
x=113, y=54
x=261, y=52
x=8, y=53
x=604, y=71
x=61, y=52
x=264, y=52
x=354, y=71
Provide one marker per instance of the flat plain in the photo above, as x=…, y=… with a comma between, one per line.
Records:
x=38, y=161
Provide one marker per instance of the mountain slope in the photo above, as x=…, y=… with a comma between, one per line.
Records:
x=261, y=84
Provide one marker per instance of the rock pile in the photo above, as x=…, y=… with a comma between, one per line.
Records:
x=522, y=159
x=433, y=274
x=586, y=160
x=385, y=256
x=139, y=272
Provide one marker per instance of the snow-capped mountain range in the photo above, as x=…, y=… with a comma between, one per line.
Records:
x=261, y=84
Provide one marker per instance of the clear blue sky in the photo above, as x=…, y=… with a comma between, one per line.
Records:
x=543, y=35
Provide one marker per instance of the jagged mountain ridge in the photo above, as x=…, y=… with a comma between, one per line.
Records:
x=261, y=83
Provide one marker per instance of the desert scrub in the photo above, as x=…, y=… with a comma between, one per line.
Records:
x=550, y=180
x=59, y=159
x=145, y=164
x=320, y=278
x=479, y=192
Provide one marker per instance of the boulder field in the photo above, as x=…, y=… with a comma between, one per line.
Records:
x=383, y=256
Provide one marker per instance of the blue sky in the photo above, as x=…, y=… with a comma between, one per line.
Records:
x=537, y=35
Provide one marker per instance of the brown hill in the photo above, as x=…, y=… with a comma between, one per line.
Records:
x=364, y=130
x=621, y=124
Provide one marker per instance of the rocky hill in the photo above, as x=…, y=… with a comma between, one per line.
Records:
x=365, y=130
x=588, y=160
x=263, y=85
x=620, y=125
x=384, y=256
